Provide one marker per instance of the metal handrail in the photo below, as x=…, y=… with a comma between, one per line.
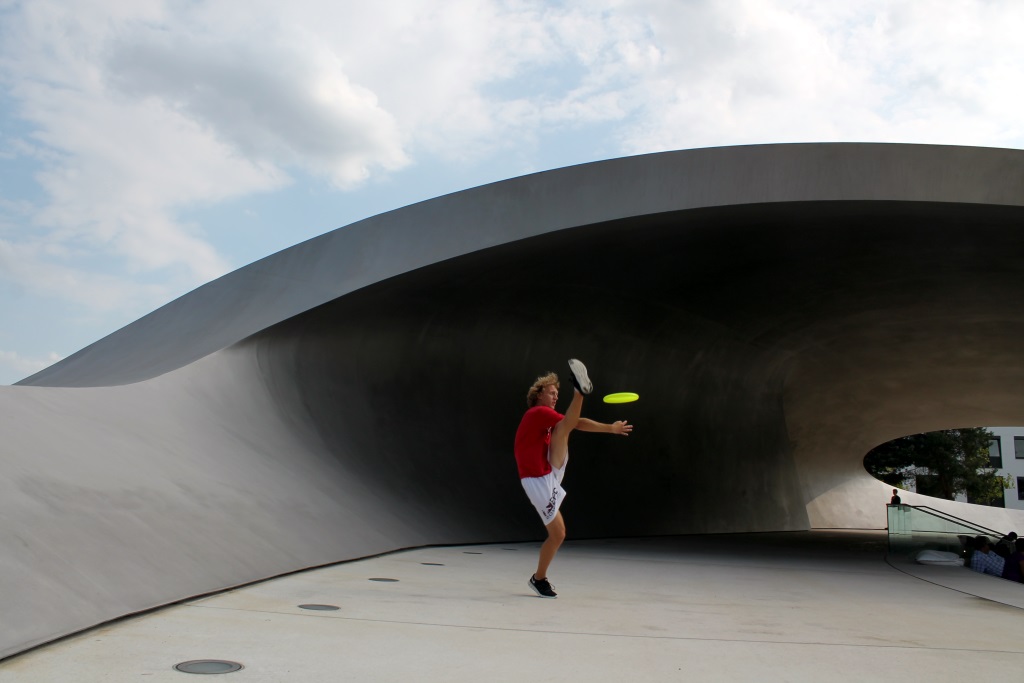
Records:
x=948, y=517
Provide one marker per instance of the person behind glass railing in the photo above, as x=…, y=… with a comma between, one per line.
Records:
x=895, y=500
x=1014, y=569
x=984, y=560
x=1004, y=548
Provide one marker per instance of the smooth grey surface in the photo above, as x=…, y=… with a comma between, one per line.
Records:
x=779, y=309
x=322, y=269
x=805, y=606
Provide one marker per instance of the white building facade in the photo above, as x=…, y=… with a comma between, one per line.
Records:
x=1007, y=453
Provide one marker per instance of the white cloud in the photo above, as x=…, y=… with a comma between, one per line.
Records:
x=782, y=71
x=139, y=112
x=270, y=101
x=42, y=269
x=14, y=364
x=141, y=109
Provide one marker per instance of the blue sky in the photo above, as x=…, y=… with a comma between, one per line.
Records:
x=149, y=146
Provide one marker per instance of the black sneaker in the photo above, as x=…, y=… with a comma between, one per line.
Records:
x=579, y=377
x=542, y=587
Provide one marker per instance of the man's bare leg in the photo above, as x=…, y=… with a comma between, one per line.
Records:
x=558, y=451
x=556, y=534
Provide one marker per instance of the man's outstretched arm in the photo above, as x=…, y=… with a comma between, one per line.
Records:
x=621, y=427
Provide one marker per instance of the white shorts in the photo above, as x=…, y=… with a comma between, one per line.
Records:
x=546, y=493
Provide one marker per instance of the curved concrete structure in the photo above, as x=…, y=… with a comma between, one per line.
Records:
x=780, y=310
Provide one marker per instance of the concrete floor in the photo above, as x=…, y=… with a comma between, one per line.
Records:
x=780, y=607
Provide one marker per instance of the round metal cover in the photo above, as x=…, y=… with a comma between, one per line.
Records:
x=384, y=580
x=208, y=666
x=322, y=608
x=471, y=552
x=432, y=564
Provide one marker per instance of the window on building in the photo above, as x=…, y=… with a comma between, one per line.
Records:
x=995, y=453
x=1020, y=488
x=1018, y=447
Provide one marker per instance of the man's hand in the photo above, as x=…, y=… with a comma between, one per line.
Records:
x=622, y=427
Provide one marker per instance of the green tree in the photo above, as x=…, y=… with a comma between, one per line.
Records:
x=957, y=461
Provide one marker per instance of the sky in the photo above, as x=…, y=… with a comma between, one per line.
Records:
x=150, y=146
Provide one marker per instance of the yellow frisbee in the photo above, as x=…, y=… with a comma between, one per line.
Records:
x=621, y=397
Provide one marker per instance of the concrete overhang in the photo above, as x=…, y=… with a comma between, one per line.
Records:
x=780, y=309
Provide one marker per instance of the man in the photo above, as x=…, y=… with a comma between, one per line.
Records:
x=984, y=560
x=542, y=451
x=1004, y=547
x=895, y=500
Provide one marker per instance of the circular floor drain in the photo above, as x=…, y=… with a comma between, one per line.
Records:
x=208, y=666
x=384, y=580
x=432, y=564
x=322, y=608
x=470, y=552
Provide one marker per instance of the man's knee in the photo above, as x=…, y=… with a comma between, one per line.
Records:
x=562, y=430
x=556, y=530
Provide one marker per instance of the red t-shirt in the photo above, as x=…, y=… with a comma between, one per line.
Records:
x=532, y=440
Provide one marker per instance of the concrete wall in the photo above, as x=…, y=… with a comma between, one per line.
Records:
x=780, y=310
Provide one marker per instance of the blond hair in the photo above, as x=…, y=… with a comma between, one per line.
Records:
x=538, y=386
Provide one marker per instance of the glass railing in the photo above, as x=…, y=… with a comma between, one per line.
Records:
x=913, y=528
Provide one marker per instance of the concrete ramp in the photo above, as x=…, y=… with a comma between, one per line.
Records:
x=779, y=309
